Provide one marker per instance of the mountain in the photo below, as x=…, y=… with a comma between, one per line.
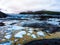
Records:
x=42, y=12
x=3, y=15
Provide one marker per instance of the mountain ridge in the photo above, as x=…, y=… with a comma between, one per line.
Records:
x=42, y=12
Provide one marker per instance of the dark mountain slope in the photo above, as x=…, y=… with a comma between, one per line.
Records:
x=3, y=15
x=42, y=12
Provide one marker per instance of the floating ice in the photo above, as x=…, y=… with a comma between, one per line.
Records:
x=20, y=34
x=8, y=36
x=33, y=35
x=10, y=22
x=15, y=28
x=30, y=31
x=30, y=28
x=28, y=34
x=40, y=33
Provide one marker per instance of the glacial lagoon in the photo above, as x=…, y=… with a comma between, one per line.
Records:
x=14, y=26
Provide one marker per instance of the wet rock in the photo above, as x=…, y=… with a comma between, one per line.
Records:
x=2, y=15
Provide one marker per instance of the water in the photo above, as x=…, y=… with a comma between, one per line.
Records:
x=6, y=43
x=30, y=18
x=12, y=24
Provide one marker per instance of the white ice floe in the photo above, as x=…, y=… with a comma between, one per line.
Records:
x=20, y=34
x=53, y=22
x=8, y=36
x=30, y=31
x=16, y=40
x=40, y=33
x=8, y=33
x=53, y=19
x=15, y=28
x=33, y=35
x=29, y=34
x=10, y=22
x=30, y=28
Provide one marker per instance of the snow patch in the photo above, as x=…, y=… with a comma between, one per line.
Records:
x=15, y=28
x=28, y=34
x=31, y=29
x=10, y=22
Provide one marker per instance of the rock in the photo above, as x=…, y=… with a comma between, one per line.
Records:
x=2, y=15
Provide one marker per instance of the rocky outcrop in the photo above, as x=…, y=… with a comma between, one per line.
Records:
x=3, y=15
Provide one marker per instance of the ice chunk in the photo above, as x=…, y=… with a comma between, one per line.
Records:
x=33, y=35
x=15, y=28
x=40, y=33
x=20, y=34
x=10, y=22
x=30, y=28
x=30, y=31
x=28, y=34
x=8, y=36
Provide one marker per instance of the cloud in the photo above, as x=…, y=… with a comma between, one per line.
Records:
x=16, y=6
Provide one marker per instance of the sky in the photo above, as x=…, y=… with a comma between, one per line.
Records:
x=17, y=6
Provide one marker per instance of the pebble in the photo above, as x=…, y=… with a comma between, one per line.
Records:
x=29, y=34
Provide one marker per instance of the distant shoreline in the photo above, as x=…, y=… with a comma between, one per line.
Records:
x=42, y=12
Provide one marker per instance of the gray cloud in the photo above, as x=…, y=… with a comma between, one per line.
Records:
x=16, y=6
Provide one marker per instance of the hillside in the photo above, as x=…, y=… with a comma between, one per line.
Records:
x=42, y=12
x=3, y=15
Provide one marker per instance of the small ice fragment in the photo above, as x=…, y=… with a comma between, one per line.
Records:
x=20, y=34
x=33, y=35
x=40, y=33
x=30, y=31
x=8, y=36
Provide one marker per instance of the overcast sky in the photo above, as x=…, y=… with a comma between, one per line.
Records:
x=16, y=6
